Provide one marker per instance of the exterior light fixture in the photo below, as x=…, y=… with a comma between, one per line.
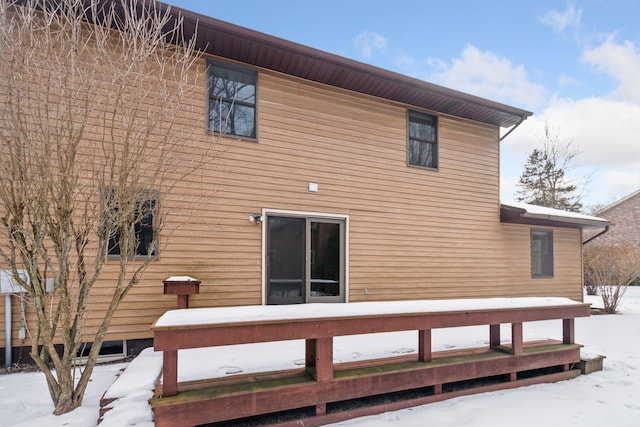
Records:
x=256, y=218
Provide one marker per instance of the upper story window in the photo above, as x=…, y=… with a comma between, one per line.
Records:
x=542, y=253
x=423, y=140
x=232, y=99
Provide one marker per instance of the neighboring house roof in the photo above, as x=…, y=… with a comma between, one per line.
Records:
x=255, y=48
x=619, y=202
x=523, y=213
x=624, y=215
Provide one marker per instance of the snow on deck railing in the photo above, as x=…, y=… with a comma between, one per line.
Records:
x=205, y=316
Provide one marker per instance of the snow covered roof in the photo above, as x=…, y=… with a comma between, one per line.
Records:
x=523, y=213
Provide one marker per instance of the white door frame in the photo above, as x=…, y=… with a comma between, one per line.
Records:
x=266, y=212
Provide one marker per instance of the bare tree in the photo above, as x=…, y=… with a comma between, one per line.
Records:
x=544, y=181
x=610, y=269
x=89, y=95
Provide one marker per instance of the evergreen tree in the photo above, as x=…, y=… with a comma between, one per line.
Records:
x=544, y=182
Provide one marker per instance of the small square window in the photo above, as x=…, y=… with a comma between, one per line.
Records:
x=422, y=148
x=232, y=99
x=541, y=253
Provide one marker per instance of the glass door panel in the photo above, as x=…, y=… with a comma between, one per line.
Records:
x=305, y=260
x=286, y=260
x=325, y=259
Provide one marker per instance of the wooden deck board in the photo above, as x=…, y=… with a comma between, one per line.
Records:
x=337, y=416
x=229, y=400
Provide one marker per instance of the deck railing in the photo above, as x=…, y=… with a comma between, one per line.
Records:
x=321, y=382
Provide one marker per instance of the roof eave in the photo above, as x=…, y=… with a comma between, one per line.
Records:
x=514, y=215
x=223, y=39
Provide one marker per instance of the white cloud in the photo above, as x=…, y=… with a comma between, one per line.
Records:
x=621, y=183
x=621, y=61
x=508, y=187
x=491, y=76
x=569, y=20
x=368, y=42
x=565, y=80
x=409, y=65
x=605, y=132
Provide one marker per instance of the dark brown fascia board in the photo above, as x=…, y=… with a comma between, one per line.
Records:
x=327, y=68
x=209, y=27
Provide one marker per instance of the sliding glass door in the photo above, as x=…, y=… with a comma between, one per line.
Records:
x=305, y=260
x=285, y=260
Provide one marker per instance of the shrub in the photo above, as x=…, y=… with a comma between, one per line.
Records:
x=610, y=269
x=590, y=287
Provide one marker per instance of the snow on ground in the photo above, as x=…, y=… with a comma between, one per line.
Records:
x=25, y=401
x=609, y=397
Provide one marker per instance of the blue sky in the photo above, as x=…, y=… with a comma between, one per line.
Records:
x=575, y=65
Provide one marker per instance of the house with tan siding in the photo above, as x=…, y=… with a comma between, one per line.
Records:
x=339, y=182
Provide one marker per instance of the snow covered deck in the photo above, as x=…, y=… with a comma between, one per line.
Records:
x=285, y=313
x=321, y=382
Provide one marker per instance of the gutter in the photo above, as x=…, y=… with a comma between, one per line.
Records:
x=522, y=119
x=606, y=229
x=514, y=213
x=560, y=219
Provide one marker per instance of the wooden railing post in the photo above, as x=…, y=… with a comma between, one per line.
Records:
x=516, y=339
x=309, y=353
x=169, y=372
x=424, y=345
x=494, y=336
x=568, y=331
x=319, y=355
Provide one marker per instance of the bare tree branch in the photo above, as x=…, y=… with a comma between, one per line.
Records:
x=545, y=180
x=89, y=94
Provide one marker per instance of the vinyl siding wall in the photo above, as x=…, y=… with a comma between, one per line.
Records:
x=413, y=232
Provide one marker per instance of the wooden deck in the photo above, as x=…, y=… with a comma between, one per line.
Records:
x=325, y=387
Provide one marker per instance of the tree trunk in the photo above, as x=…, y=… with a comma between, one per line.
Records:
x=66, y=402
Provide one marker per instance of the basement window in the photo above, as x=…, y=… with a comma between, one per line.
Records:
x=109, y=351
